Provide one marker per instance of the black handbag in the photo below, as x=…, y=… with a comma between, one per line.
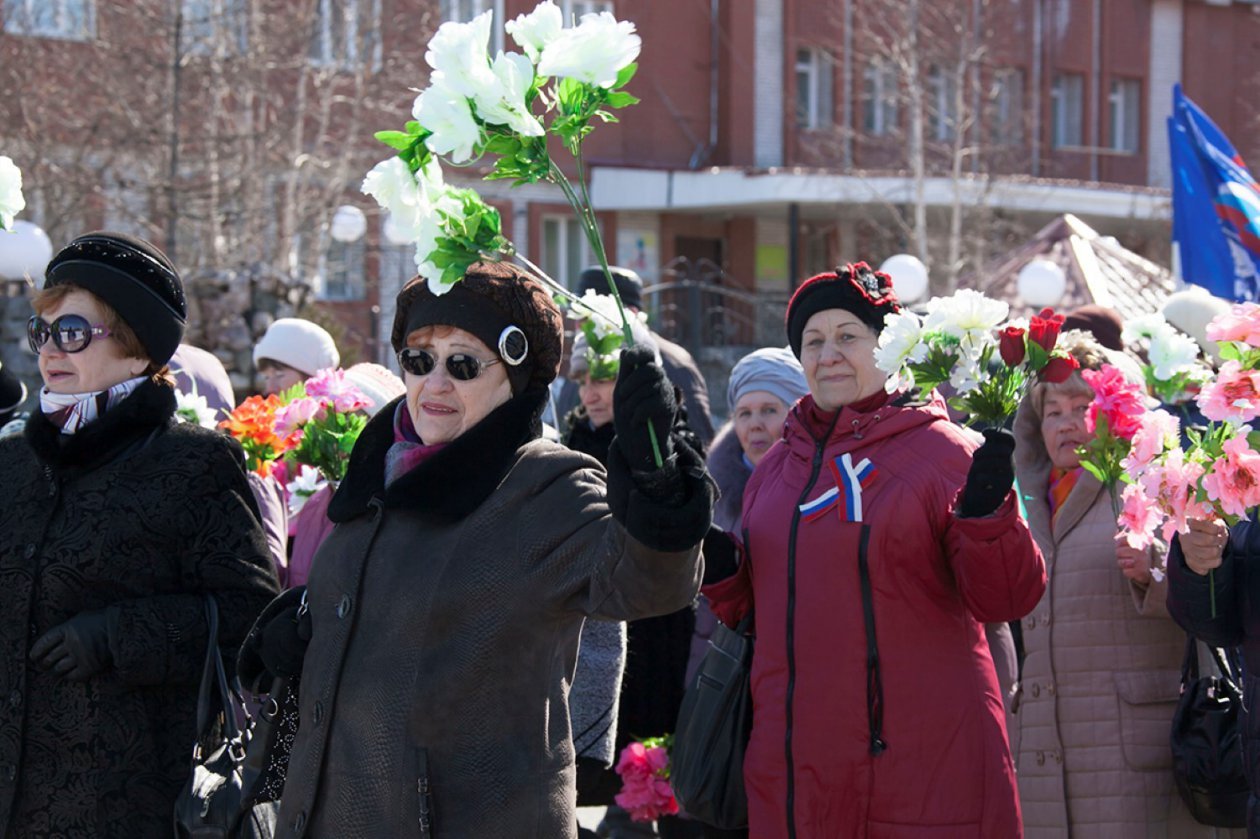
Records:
x=714, y=722
x=1207, y=743
x=218, y=802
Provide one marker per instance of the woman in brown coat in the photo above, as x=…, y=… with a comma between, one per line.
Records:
x=1101, y=675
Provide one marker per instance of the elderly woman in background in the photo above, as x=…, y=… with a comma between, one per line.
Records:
x=443, y=612
x=877, y=543
x=1102, y=658
x=116, y=524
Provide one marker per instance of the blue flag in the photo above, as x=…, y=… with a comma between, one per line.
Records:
x=1216, y=206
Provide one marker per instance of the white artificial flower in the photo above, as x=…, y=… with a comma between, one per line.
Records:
x=600, y=310
x=306, y=483
x=194, y=409
x=964, y=314
x=458, y=52
x=432, y=227
x=396, y=190
x=534, y=31
x=1171, y=353
x=901, y=340
x=504, y=102
x=11, y=200
x=967, y=372
x=1142, y=326
x=445, y=112
x=593, y=52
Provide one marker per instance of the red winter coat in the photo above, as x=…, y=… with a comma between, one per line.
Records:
x=936, y=579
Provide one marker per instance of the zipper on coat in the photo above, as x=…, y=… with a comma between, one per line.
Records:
x=424, y=794
x=815, y=469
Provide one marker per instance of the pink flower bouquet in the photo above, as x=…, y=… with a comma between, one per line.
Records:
x=1114, y=419
x=325, y=414
x=644, y=769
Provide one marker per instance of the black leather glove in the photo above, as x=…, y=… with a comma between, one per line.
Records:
x=991, y=476
x=276, y=645
x=641, y=396
x=77, y=649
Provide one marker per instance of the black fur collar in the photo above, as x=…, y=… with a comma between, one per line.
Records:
x=452, y=483
x=149, y=407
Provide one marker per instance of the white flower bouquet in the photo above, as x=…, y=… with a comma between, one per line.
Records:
x=11, y=200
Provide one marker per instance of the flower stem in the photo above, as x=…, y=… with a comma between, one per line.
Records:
x=553, y=285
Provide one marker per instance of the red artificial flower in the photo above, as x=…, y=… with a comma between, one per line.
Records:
x=1044, y=329
x=1058, y=368
x=1011, y=345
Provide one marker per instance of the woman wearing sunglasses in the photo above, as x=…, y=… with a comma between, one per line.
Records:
x=115, y=523
x=443, y=612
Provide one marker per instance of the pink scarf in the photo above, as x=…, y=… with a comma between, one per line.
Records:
x=408, y=450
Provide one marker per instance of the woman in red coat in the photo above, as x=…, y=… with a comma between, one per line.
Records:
x=875, y=546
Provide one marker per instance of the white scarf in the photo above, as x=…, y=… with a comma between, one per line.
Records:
x=72, y=411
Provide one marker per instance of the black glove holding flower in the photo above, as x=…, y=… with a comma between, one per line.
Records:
x=991, y=476
x=77, y=649
x=643, y=396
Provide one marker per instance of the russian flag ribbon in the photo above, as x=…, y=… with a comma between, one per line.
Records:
x=850, y=479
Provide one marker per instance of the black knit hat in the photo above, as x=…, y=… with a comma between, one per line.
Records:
x=135, y=279
x=629, y=284
x=12, y=393
x=508, y=310
x=855, y=288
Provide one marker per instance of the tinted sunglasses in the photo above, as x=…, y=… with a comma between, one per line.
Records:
x=71, y=333
x=459, y=365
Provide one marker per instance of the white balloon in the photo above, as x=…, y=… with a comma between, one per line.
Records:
x=395, y=233
x=348, y=224
x=1041, y=283
x=909, y=276
x=24, y=252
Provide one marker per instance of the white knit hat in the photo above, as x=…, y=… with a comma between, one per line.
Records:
x=306, y=347
x=1191, y=310
x=377, y=383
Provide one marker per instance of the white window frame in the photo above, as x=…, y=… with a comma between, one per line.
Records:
x=557, y=264
x=215, y=25
x=574, y=9
x=360, y=17
x=879, y=104
x=73, y=20
x=814, y=72
x=1124, y=106
x=942, y=119
x=1008, y=106
x=1067, y=110
x=462, y=11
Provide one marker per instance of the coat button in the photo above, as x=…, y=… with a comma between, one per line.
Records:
x=1031, y=623
x=1036, y=690
x=343, y=606
x=1050, y=688
x=317, y=714
x=300, y=822
x=29, y=553
x=1058, y=758
x=1041, y=758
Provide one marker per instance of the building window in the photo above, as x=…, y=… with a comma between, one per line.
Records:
x=462, y=11
x=1067, y=105
x=71, y=19
x=574, y=9
x=347, y=33
x=1008, y=107
x=941, y=102
x=343, y=271
x=219, y=27
x=565, y=249
x=1125, y=110
x=879, y=98
x=813, y=89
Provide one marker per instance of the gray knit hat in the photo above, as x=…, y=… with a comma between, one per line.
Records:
x=772, y=369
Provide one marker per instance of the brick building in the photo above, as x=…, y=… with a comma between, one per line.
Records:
x=774, y=138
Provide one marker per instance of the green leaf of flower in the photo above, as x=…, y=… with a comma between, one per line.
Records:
x=626, y=74
x=620, y=99
x=394, y=139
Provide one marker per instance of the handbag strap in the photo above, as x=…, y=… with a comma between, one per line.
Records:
x=1226, y=663
x=214, y=679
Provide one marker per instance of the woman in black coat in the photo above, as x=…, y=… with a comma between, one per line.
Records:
x=115, y=523
x=1231, y=554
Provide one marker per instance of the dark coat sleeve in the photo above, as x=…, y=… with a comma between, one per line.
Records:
x=162, y=638
x=1190, y=595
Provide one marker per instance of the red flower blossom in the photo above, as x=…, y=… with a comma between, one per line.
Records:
x=1058, y=368
x=1011, y=345
x=1043, y=329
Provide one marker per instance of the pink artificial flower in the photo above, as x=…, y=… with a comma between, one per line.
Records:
x=657, y=758
x=1173, y=484
x=1234, y=395
x=1159, y=430
x=1139, y=516
x=296, y=414
x=1121, y=401
x=1241, y=323
x=645, y=791
x=333, y=388
x=1234, y=480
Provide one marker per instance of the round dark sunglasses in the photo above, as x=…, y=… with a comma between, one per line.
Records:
x=71, y=333
x=459, y=365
